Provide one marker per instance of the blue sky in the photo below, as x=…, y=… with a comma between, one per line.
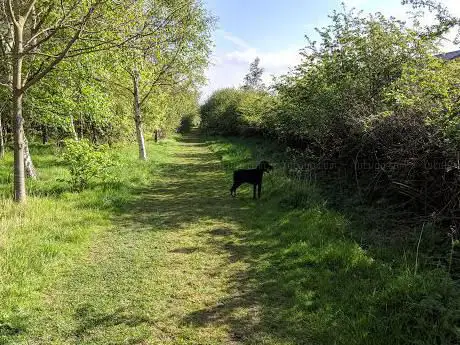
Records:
x=274, y=30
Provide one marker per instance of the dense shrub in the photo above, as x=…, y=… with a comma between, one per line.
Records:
x=430, y=91
x=341, y=83
x=239, y=111
x=86, y=162
x=370, y=103
x=220, y=113
x=187, y=122
x=258, y=111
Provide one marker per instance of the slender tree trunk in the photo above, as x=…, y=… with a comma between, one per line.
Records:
x=72, y=128
x=28, y=164
x=138, y=118
x=18, y=128
x=94, y=138
x=8, y=50
x=2, y=141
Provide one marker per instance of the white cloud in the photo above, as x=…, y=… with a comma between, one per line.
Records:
x=268, y=59
x=236, y=40
x=229, y=69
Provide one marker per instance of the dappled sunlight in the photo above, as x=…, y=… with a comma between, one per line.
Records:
x=183, y=262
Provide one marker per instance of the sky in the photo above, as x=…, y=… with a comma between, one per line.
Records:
x=274, y=31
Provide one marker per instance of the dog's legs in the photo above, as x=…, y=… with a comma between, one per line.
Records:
x=259, y=188
x=254, y=191
x=233, y=189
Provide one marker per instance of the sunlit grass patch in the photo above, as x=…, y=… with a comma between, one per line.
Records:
x=39, y=239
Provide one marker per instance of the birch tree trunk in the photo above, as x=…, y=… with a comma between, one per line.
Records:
x=72, y=128
x=18, y=13
x=80, y=128
x=28, y=164
x=138, y=118
x=18, y=129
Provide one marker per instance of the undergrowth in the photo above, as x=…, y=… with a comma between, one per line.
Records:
x=325, y=268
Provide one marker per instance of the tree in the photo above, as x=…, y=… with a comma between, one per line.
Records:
x=170, y=48
x=70, y=103
x=253, y=80
x=28, y=32
x=163, y=112
x=219, y=114
x=36, y=36
x=340, y=85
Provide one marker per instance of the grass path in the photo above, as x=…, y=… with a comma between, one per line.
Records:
x=161, y=262
x=180, y=262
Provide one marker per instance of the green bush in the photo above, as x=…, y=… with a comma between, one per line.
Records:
x=220, y=114
x=430, y=91
x=370, y=99
x=86, y=162
x=239, y=111
x=342, y=81
x=258, y=111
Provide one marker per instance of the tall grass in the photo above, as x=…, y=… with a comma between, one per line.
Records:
x=322, y=276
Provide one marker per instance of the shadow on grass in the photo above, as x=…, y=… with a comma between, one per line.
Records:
x=302, y=274
x=90, y=320
x=193, y=190
x=298, y=289
x=309, y=282
x=304, y=281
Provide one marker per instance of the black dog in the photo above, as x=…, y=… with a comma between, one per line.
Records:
x=252, y=176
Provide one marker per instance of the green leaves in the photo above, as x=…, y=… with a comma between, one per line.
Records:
x=253, y=80
x=342, y=80
x=430, y=90
x=86, y=162
x=220, y=112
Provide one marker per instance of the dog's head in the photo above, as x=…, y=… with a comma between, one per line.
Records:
x=265, y=166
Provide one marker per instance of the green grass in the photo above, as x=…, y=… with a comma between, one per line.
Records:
x=160, y=254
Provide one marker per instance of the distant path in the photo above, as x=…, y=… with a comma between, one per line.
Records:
x=160, y=276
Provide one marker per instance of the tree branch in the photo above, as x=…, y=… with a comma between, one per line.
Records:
x=29, y=10
x=98, y=79
x=11, y=14
x=63, y=53
x=162, y=72
x=53, y=29
x=36, y=32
